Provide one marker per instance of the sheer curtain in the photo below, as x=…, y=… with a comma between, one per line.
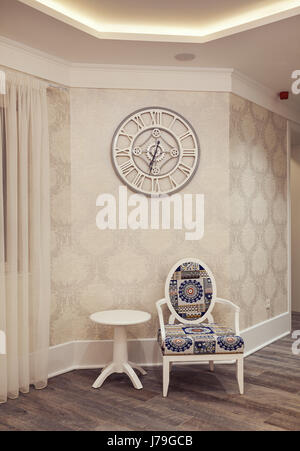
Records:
x=24, y=235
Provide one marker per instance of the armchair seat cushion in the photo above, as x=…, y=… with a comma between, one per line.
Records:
x=200, y=339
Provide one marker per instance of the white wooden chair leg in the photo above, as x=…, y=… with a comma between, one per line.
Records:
x=166, y=376
x=240, y=374
x=211, y=366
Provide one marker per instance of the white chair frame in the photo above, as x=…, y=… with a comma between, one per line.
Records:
x=238, y=359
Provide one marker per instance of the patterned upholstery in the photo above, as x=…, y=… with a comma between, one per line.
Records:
x=190, y=291
x=200, y=339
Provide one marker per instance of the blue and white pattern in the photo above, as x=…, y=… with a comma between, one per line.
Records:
x=190, y=291
x=178, y=344
x=173, y=294
x=205, y=345
x=200, y=339
x=230, y=344
x=197, y=330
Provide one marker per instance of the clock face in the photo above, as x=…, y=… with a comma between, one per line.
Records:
x=155, y=151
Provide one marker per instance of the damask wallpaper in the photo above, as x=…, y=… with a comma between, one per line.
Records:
x=61, y=325
x=258, y=211
x=295, y=222
x=242, y=174
x=94, y=270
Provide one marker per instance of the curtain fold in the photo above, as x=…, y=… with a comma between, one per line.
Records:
x=24, y=235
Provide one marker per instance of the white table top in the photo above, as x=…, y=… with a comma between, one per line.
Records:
x=120, y=317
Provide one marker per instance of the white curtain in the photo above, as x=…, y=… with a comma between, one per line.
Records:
x=24, y=235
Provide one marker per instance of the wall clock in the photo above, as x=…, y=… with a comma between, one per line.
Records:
x=155, y=151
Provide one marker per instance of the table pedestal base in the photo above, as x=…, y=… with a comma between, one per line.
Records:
x=120, y=362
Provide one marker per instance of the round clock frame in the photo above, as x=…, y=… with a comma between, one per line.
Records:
x=165, y=161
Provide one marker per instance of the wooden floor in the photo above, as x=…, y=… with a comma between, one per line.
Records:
x=198, y=399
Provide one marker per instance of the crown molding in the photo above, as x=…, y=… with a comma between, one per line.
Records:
x=169, y=78
x=22, y=58
x=262, y=95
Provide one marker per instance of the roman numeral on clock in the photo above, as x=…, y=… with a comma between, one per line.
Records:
x=156, y=117
x=126, y=167
x=138, y=180
x=189, y=152
x=185, y=136
x=123, y=132
x=173, y=182
x=138, y=120
x=171, y=125
x=186, y=170
x=155, y=185
x=122, y=152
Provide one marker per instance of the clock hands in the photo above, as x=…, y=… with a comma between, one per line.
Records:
x=152, y=161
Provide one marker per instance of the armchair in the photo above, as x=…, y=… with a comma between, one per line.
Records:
x=190, y=295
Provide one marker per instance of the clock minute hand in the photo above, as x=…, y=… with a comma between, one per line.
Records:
x=152, y=161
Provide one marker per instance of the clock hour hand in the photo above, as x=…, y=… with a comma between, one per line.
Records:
x=153, y=159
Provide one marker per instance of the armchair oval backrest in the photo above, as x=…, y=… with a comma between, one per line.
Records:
x=190, y=290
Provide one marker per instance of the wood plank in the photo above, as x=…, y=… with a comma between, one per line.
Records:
x=198, y=399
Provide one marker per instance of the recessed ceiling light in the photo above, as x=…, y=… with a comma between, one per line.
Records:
x=185, y=56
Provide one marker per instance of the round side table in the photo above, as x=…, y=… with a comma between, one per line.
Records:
x=119, y=319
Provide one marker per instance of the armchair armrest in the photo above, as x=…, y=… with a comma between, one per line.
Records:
x=236, y=313
x=161, y=318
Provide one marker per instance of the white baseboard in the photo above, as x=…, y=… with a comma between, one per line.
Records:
x=266, y=332
x=95, y=354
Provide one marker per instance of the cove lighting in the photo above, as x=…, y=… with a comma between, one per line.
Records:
x=240, y=22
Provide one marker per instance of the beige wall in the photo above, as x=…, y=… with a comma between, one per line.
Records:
x=295, y=213
x=61, y=325
x=258, y=218
x=242, y=174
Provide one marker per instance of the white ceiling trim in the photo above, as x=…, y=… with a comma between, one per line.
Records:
x=165, y=78
x=262, y=95
x=218, y=31
x=40, y=64
x=100, y=76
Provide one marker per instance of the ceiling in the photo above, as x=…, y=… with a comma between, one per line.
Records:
x=166, y=20
x=268, y=54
